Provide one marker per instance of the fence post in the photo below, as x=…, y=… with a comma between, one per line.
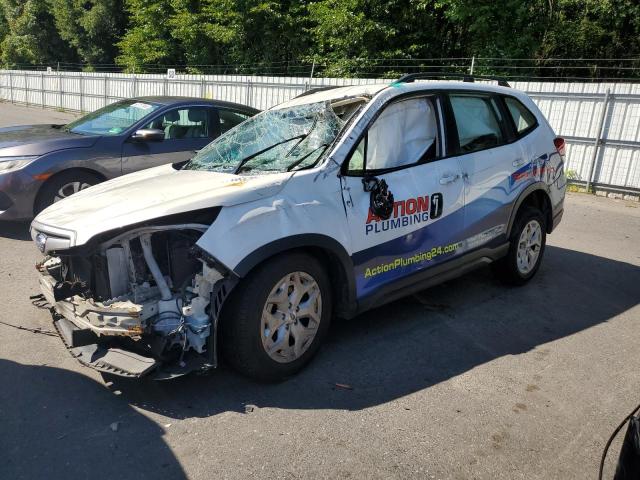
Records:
x=598, y=140
x=135, y=85
x=26, y=89
x=60, y=88
x=202, y=87
x=105, y=90
x=11, y=85
x=42, y=97
x=249, y=92
x=81, y=93
x=313, y=67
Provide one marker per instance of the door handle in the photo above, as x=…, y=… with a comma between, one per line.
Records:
x=449, y=178
x=518, y=163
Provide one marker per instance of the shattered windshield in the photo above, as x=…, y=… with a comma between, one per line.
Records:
x=278, y=140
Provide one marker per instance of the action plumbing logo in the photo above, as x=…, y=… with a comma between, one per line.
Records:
x=406, y=212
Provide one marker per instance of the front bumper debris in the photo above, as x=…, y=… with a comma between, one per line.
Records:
x=104, y=359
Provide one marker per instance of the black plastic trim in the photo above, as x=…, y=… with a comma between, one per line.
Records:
x=434, y=275
x=307, y=240
x=521, y=198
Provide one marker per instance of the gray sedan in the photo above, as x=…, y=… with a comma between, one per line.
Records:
x=41, y=164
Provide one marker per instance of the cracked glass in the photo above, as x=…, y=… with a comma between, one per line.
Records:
x=277, y=140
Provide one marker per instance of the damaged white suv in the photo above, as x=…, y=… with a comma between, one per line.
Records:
x=324, y=206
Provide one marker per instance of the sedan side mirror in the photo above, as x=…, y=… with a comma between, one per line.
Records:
x=148, y=135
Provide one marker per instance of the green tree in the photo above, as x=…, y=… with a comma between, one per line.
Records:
x=30, y=34
x=605, y=29
x=273, y=33
x=148, y=39
x=91, y=27
x=206, y=30
x=376, y=37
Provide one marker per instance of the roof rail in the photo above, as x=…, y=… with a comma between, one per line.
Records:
x=411, y=77
x=317, y=89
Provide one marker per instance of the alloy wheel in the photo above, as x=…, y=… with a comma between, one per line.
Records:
x=291, y=317
x=529, y=247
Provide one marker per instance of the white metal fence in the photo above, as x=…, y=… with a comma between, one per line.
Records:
x=602, y=130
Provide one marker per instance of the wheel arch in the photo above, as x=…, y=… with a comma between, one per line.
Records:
x=66, y=171
x=327, y=250
x=535, y=195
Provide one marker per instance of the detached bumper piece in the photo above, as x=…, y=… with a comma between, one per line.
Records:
x=104, y=359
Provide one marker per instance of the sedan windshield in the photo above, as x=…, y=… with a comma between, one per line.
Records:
x=112, y=119
x=277, y=140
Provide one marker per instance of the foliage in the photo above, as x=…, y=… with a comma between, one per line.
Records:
x=29, y=33
x=341, y=37
x=91, y=27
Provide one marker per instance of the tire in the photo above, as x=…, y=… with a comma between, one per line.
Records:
x=63, y=185
x=260, y=315
x=509, y=269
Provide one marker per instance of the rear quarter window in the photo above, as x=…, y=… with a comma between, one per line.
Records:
x=523, y=120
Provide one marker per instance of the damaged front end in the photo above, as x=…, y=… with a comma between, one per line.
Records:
x=144, y=302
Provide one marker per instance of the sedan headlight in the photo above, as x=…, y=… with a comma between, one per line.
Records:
x=9, y=164
x=41, y=241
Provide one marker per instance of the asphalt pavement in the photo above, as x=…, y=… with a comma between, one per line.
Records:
x=467, y=380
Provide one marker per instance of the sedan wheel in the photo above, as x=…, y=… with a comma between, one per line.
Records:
x=69, y=189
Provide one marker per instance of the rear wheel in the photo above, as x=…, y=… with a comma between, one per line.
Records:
x=277, y=318
x=526, y=248
x=62, y=186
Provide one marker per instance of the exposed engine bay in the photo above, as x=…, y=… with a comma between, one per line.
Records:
x=143, y=295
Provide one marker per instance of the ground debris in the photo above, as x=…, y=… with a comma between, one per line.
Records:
x=343, y=386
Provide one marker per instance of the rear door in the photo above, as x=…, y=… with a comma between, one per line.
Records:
x=187, y=129
x=404, y=147
x=488, y=157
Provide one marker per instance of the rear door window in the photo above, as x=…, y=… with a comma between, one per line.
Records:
x=477, y=121
x=523, y=120
x=191, y=122
x=229, y=119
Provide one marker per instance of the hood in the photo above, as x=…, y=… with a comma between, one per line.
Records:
x=151, y=194
x=40, y=139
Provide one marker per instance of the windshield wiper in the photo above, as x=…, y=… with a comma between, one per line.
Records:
x=264, y=150
x=298, y=162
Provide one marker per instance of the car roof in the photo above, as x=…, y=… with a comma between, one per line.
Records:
x=175, y=101
x=336, y=93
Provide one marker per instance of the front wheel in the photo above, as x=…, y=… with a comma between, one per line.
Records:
x=526, y=249
x=276, y=319
x=62, y=186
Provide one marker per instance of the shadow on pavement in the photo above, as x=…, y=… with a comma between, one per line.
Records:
x=56, y=423
x=15, y=230
x=418, y=342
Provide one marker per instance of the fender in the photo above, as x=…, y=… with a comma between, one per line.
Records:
x=346, y=305
x=521, y=198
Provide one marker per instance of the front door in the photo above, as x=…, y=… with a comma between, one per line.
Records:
x=403, y=148
x=186, y=129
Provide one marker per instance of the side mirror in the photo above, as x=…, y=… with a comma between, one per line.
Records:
x=148, y=135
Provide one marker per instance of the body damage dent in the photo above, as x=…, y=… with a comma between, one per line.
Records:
x=148, y=289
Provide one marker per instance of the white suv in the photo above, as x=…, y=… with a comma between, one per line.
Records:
x=325, y=206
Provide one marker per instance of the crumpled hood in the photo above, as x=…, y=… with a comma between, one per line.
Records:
x=151, y=194
x=40, y=139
